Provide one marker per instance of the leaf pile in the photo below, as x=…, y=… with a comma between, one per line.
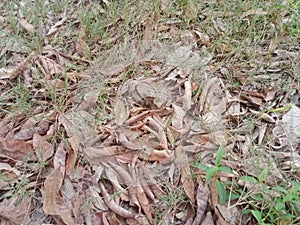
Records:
x=145, y=151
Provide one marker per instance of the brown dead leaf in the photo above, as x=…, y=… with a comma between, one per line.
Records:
x=54, y=204
x=43, y=149
x=17, y=150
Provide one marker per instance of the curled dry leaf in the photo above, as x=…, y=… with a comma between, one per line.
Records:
x=54, y=204
x=113, y=205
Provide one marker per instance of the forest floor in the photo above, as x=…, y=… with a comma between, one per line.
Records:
x=150, y=112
